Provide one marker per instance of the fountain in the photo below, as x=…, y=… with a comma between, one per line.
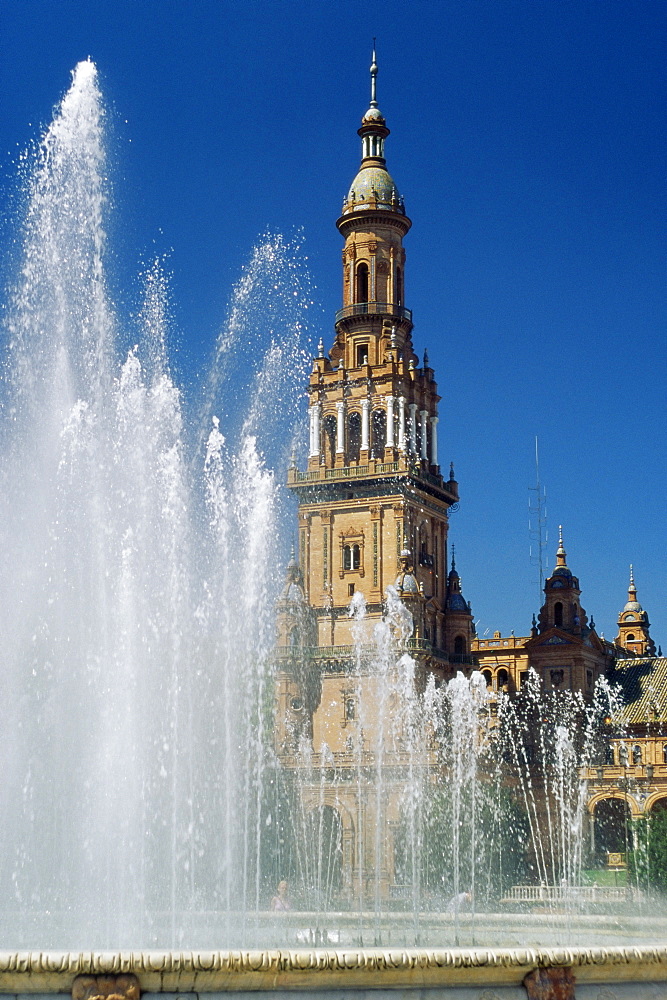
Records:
x=142, y=803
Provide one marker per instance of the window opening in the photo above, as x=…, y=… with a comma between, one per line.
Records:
x=362, y=282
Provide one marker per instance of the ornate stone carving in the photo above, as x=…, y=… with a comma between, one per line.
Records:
x=122, y=987
x=313, y=970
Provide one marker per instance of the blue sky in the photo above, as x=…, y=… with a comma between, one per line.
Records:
x=528, y=140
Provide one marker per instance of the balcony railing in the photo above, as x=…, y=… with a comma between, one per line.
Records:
x=374, y=309
x=371, y=469
x=569, y=893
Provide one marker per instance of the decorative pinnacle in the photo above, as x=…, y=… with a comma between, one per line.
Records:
x=453, y=558
x=632, y=589
x=320, y=349
x=560, y=554
x=374, y=74
x=451, y=471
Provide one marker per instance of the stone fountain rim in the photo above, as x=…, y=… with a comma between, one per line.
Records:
x=318, y=969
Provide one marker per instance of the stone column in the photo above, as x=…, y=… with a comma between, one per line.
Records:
x=424, y=442
x=315, y=430
x=413, y=428
x=390, y=421
x=434, y=440
x=340, y=428
x=401, y=423
x=365, y=423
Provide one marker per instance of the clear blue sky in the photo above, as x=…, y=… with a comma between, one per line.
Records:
x=528, y=139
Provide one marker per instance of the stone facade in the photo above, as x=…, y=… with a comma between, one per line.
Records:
x=373, y=513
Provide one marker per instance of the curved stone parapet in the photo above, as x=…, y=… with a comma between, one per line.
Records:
x=325, y=969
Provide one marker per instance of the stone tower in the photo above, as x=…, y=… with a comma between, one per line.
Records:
x=564, y=648
x=373, y=488
x=633, y=625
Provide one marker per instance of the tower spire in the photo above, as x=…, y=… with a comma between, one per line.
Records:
x=632, y=590
x=374, y=74
x=560, y=554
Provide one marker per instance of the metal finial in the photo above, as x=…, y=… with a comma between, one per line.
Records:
x=632, y=578
x=425, y=359
x=374, y=73
x=453, y=558
x=451, y=470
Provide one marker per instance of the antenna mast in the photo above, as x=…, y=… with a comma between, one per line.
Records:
x=537, y=521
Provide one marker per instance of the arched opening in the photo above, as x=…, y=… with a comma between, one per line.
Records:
x=329, y=440
x=486, y=674
x=664, y=753
x=636, y=754
x=351, y=557
x=630, y=637
x=362, y=282
x=382, y=281
x=378, y=433
x=322, y=858
x=558, y=614
x=609, y=754
x=353, y=437
x=459, y=645
x=399, y=286
x=611, y=828
x=503, y=678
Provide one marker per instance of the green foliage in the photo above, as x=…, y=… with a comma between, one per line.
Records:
x=647, y=862
x=463, y=846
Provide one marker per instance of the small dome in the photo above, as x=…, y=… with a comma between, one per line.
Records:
x=562, y=571
x=406, y=583
x=633, y=606
x=457, y=602
x=372, y=184
x=373, y=115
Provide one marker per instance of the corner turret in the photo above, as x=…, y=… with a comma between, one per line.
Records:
x=633, y=625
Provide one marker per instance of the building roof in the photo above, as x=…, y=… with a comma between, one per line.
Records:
x=643, y=682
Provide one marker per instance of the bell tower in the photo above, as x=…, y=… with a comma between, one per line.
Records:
x=633, y=625
x=373, y=488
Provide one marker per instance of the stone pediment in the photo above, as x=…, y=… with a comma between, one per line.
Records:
x=555, y=640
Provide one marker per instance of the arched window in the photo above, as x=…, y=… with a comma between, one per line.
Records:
x=558, y=614
x=329, y=442
x=378, y=433
x=399, y=286
x=609, y=754
x=636, y=754
x=459, y=645
x=362, y=282
x=486, y=674
x=351, y=557
x=382, y=280
x=503, y=680
x=630, y=637
x=353, y=437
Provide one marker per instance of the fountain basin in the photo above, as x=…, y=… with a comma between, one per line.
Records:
x=476, y=971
